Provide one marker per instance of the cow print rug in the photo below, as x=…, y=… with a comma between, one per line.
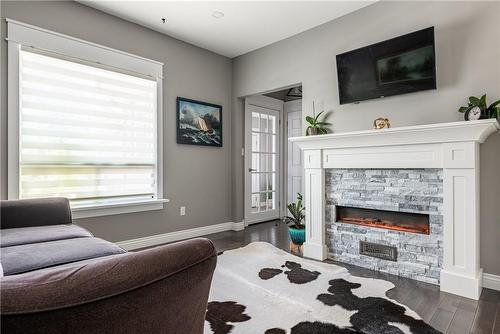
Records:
x=260, y=289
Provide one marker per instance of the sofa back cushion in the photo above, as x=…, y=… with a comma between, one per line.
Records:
x=35, y=212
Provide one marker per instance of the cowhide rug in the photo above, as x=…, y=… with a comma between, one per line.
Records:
x=260, y=289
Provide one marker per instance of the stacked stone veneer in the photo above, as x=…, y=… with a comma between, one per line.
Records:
x=420, y=256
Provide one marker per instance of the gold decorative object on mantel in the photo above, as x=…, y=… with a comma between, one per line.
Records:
x=381, y=123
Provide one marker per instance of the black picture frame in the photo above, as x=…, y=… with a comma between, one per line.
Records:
x=199, y=123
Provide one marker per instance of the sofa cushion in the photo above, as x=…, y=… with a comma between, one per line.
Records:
x=30, y=235
x=35, y=212
x=24, y=258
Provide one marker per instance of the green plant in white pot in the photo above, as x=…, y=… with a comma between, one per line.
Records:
x=295, y=221
x=316, y=126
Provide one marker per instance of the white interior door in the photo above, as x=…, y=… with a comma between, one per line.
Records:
x=262, y=154
x=294, y=156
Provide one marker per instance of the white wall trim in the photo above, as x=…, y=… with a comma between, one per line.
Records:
x=116, y=208
x=13, y=120
x=491, y=281
x=164, y=238
x=288, y=107
x=30, y=35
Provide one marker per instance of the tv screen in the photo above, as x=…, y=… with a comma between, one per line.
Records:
x=400, y=65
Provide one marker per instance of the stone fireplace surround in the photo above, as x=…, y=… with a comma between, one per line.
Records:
x=451, y=147
x=419, y=256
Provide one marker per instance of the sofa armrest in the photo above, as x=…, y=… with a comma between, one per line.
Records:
x=146, y=291
x=35, y=212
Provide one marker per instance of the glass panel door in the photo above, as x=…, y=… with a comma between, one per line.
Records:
x=263, y=170
x=263, y=163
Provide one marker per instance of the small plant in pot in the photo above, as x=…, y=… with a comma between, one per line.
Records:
x=295, y=221
x=316, y=126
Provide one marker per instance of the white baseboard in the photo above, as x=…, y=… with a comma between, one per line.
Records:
x=164, y=238
x=491, y=281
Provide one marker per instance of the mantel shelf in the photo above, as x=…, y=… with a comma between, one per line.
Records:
x=463, y=131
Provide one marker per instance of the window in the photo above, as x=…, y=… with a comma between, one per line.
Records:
x=85, y=131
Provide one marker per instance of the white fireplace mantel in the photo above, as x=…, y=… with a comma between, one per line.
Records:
x=453, y=147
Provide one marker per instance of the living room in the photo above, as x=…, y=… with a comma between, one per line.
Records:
x=157, y=201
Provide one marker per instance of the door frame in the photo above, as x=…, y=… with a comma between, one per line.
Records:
x=268, y=103
x=295, y=105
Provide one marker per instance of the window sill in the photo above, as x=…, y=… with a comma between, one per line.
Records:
x=116, y=208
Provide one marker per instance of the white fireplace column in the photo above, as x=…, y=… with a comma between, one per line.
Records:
x=453, y=147
x=461, y=272
x=314, y=173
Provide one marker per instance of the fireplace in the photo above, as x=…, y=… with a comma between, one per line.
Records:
x=390, y=220
x=449, y=255
x=386, y=219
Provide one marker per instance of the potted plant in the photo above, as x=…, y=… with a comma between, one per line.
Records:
x=478, y=108
x=296, y=227
x=316, y=126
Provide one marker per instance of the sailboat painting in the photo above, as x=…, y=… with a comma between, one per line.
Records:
x=198, y=123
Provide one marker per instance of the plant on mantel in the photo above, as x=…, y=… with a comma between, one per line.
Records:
x=491, y=111
x=316, y=126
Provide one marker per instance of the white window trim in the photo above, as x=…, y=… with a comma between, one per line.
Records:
x=118, y=208
x=22, y=34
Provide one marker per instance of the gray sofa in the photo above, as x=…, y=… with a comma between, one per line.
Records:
x=39, y=233
x=61, y=279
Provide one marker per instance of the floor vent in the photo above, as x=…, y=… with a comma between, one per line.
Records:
x=377, y=250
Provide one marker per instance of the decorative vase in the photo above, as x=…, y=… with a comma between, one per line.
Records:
x=312, y=131
x=298, y=236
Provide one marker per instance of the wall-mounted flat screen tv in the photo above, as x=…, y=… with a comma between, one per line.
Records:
x=400, y=65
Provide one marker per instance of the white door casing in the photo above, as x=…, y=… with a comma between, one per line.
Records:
x=262, y=159
x=294, y=170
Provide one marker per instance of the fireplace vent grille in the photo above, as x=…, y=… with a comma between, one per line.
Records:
x=377, y=250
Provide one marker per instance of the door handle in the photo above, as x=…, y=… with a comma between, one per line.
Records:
x=252, y=170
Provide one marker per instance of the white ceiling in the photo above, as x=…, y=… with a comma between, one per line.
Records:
x=246, y=25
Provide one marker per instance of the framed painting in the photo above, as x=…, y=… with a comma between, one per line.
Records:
x=198, y=123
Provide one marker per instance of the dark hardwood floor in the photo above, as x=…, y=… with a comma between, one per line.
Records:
x=445, y=312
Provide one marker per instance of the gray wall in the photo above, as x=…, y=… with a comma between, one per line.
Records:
x=468, y=63
x=212, y=188
x=196, y=177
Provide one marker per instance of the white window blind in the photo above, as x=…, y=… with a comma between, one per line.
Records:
x=86, y=133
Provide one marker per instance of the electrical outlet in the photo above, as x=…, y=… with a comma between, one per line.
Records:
x=183, y=210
